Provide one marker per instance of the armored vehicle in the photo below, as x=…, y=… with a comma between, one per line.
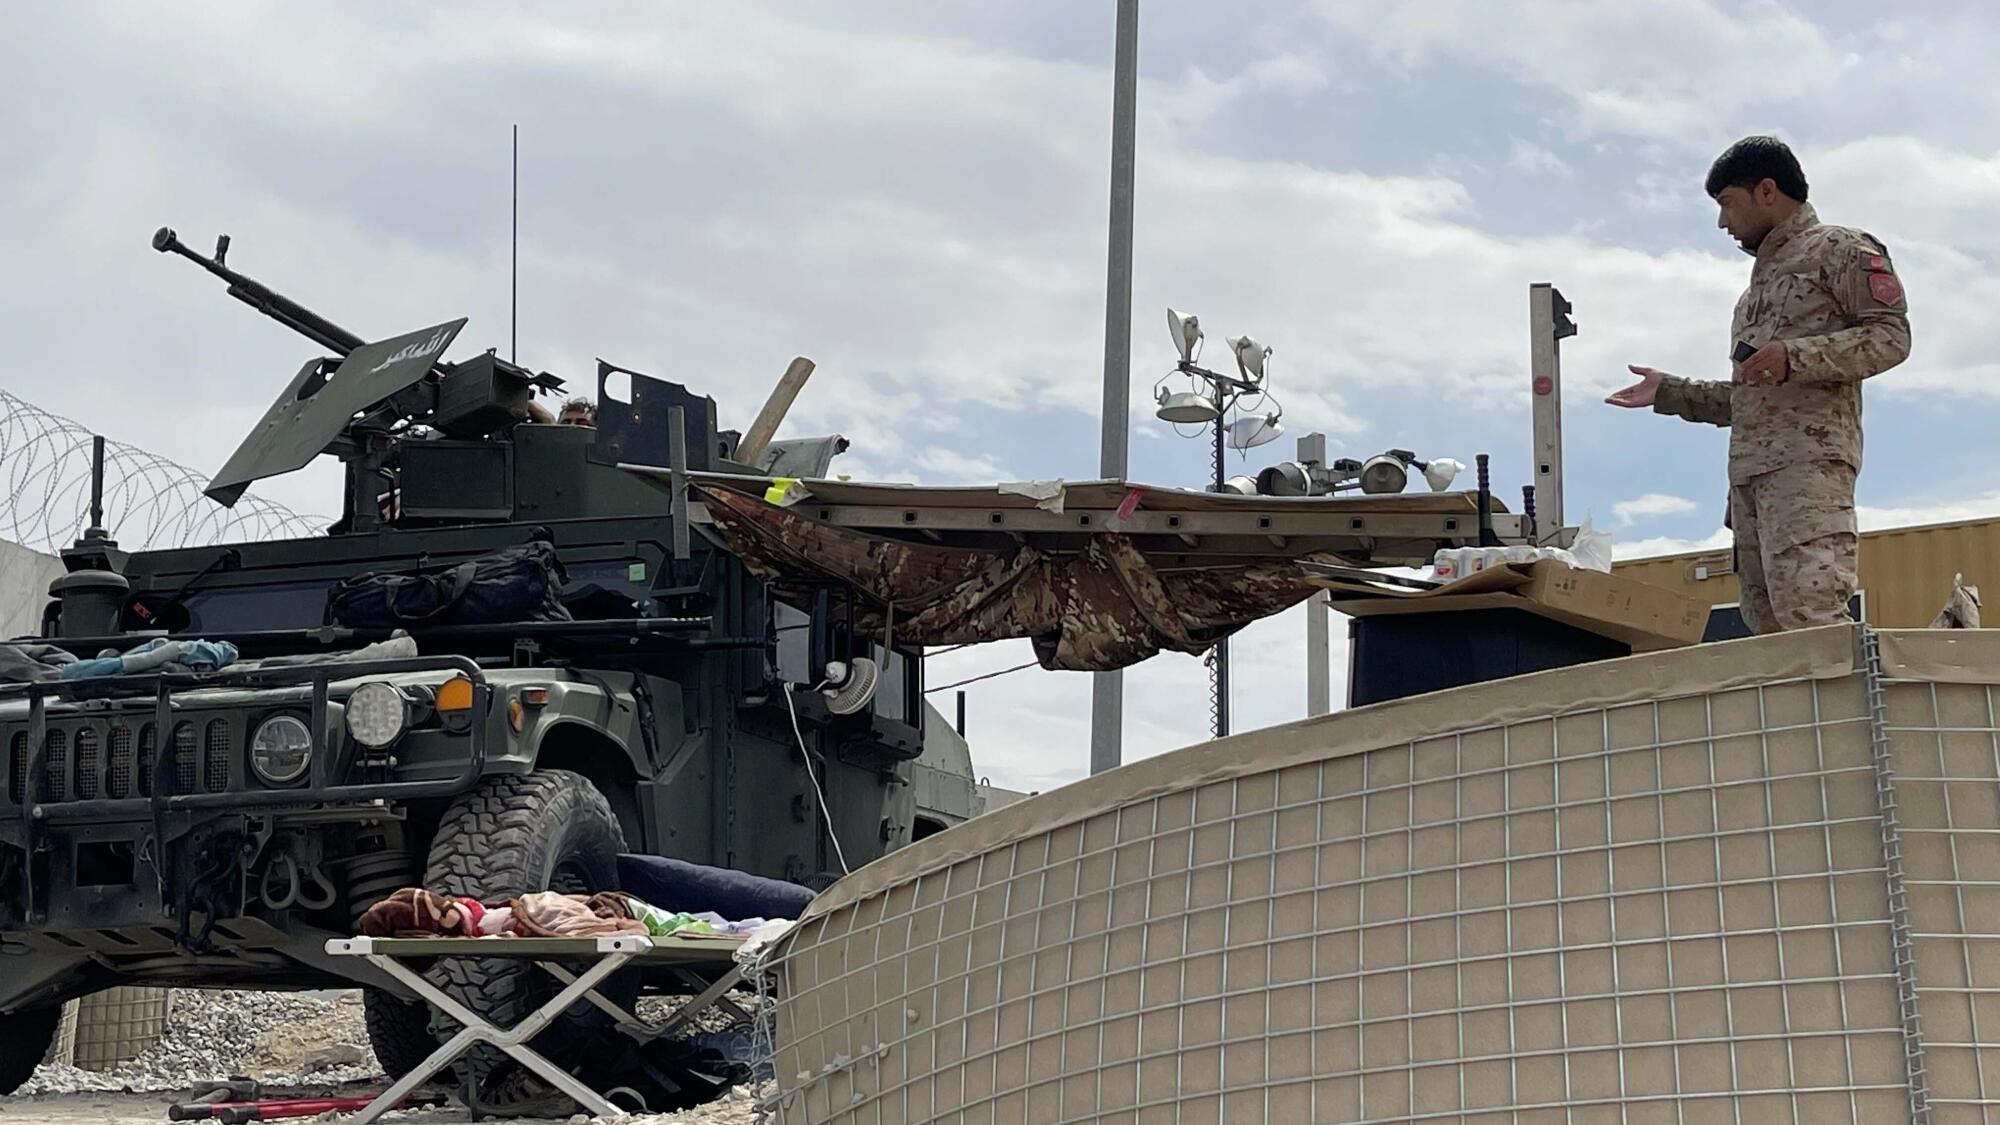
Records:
x=212, y=827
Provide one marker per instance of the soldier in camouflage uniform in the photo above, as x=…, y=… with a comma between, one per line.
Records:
x=1824, y=310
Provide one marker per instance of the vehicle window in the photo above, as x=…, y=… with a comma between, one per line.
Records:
x=244, y=609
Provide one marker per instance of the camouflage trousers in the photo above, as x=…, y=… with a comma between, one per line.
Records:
x=1795, y=546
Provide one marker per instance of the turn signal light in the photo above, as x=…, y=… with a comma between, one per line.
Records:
x=455, y=695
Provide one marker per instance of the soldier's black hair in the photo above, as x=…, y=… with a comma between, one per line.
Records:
x=1753, y=160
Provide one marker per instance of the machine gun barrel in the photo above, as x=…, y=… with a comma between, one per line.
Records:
x=261, y=297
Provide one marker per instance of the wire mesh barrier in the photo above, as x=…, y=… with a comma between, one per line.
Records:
x=119, y=1024
x=149, y=501
x=1678, y=904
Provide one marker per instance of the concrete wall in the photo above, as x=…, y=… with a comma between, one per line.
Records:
x=24, y=588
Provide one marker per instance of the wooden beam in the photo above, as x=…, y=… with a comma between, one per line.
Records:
x=759, y=436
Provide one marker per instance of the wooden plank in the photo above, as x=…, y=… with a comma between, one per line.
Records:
x=1096, y=495
x=761, y=431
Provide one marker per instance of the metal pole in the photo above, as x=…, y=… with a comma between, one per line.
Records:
x=514, y=262
x=961, y=714
x=1319, y=665
x=1220, y=669
x=1548, y=323
x=97, y=483
x=1107, y=689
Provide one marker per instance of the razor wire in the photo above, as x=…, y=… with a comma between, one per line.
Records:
x=150, y=502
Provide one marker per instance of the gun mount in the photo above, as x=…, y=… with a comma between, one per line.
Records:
x=362, y=402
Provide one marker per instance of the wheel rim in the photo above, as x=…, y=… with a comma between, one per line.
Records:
x=572, y=877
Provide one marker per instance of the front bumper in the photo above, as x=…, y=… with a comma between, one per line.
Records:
x=87, y=787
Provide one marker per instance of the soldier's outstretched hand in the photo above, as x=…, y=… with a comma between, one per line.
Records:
x=1640, y=393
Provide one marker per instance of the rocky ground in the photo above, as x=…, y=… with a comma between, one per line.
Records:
x=308, y=1044
x=278, y=1038
x=738, y=1107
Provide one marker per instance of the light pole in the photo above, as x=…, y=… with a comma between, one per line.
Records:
x=1107, y=689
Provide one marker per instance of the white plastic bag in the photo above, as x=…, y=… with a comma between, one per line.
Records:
x=1592, y=548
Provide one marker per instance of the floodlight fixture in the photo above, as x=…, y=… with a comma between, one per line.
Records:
x=1250, y=357
x=1384, y=473
x=1186, y=406
x=1240, y=486
x=1185, y=328
x=1440, y=473
x=1286, y=478
x=1254, y=430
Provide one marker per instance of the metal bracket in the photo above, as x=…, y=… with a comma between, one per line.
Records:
x=677, y=463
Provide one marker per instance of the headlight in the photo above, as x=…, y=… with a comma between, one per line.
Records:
x=377, y=715
x=281, y=749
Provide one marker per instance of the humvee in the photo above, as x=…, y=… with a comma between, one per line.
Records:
x=214, y=829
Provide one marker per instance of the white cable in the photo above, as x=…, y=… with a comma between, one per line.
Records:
x=792, y=708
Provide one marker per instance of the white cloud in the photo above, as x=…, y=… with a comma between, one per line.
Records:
x=1659, y=193
x=944, y=465
x=1652, y=505
x=1872, y=518
x=1668, y=545
x=1534, y=159
x=1663, y=71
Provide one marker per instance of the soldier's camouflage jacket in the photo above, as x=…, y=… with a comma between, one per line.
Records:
x=1832, y=296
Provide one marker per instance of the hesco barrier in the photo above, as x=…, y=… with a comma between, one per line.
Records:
x=62, y=1047
x=1748, y=882
x=119, y=1024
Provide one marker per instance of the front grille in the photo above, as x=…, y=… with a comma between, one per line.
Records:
x=216, y=764
x=149, y=757
x=184, y=767
x=89, y=764
x=84, y=760
x=55, y=771
x=118, y=779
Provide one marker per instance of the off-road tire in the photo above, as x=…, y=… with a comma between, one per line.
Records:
x=399, y=1030
x=24, y=1042
x=547, y=830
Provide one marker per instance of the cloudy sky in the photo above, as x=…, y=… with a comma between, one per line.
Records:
x=913, y=194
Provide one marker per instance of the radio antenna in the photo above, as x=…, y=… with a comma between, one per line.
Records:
x=514, y=262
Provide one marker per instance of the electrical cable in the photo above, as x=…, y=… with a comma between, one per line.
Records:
x=987, y=676
x=793, y=710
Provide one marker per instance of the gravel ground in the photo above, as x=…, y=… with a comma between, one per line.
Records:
x=308, y=1044
x=278, y=1038
x=738, y=1107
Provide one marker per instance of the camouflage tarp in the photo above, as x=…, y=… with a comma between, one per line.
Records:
x=1104, y=607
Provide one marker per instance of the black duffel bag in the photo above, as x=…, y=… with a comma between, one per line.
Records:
x=518, y=584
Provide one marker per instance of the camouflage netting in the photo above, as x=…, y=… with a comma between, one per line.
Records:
x=1104, y=607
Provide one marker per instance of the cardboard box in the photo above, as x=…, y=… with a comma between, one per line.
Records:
x=1647, y=617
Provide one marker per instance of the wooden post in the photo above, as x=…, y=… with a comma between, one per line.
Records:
x=759, y=436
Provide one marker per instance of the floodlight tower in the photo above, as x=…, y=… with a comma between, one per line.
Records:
x=1210, y=397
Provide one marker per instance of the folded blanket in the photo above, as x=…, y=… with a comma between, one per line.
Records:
x=25, y=662
x=415, y=912
x=548, y=914
x=156, y=655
